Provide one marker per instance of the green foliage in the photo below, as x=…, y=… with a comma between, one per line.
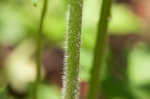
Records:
x=45, y=91
x=138, y=70
x=19, y=20
x=35, y=2
x=128, y=23
x=3, y=93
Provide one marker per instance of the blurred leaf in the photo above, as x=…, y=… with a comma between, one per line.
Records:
x=35, y=2
x=123, y=20
x=45, y=91
x=86, y=61
x=138, y=71
x=49, y=92
x=139, y=64
x=3, y=93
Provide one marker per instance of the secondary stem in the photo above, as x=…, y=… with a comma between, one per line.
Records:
x=73, y=36
x=39, y=48
x=99, y=49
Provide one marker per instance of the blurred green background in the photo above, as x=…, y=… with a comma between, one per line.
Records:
x=125, y=73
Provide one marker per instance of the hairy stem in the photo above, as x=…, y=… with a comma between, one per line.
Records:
x=39, y=47
x=73, y=36
x=99, y=49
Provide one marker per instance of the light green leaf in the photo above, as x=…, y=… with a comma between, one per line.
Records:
x=3, y=93
x=35, y=2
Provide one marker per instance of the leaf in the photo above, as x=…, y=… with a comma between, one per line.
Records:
x=35, y=2
x=3, y=93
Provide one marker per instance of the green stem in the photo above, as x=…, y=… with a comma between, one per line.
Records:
x=73, y=37
x=99, y=49
x=39, y=48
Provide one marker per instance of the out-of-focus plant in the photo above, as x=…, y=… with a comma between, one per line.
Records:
x=99, y=49
x=35, y=2
x=3, y=93
x=39, y=40
x=73, y=36
x=138, y=70
x=19, y=67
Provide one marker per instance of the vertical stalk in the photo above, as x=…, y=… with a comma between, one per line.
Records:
x=73, y=36
x=39, y=48
x=99, y=49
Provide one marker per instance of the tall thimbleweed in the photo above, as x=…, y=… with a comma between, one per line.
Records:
x=99, y=49
x=72, y=57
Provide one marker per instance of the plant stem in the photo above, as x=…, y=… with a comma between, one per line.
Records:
x=39, y=48
x=99, y=49
x=73, y=38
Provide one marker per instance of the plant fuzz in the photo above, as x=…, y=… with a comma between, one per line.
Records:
x=73, y=38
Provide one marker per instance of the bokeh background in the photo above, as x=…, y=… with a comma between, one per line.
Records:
x=126, y=70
